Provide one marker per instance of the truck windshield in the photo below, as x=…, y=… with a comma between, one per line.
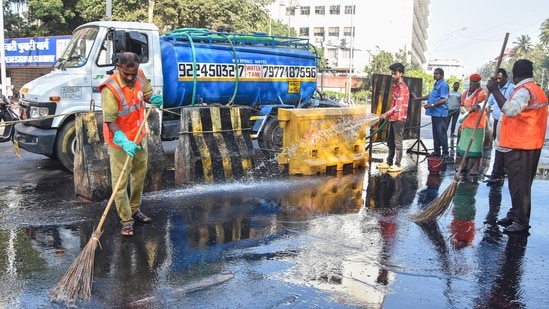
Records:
x=77, y=52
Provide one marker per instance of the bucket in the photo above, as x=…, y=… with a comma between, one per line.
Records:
x=434, y=164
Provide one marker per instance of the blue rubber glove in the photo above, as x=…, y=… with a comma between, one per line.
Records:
x=128, y=146
x=157, y=100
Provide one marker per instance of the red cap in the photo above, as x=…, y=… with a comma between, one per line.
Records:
x=475, y=77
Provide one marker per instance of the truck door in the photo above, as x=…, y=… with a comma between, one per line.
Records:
x=134, y=41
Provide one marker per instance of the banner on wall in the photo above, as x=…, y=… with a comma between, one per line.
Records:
x=34, y=52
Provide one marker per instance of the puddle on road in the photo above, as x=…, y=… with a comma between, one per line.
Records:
x=341, y=241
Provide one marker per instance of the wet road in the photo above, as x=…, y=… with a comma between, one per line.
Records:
x=332, y=241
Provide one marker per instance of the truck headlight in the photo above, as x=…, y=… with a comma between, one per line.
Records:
x=36, y=112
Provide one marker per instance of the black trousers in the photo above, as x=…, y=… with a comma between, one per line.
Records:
x=394, y=141
x=494, y=127
x=521, y=166
x=498, y=169
x=452, y=119
x=440, y=136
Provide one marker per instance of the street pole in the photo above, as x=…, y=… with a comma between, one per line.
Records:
x=351, y=54
x=108, y=10
x=289, y=10
x=270, y=24
x=322, y=79
x=2, y=53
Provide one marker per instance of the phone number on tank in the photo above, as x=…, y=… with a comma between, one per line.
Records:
x=216, y=70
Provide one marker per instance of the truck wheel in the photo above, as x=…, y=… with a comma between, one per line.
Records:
x=66, y=145
x=270, y=139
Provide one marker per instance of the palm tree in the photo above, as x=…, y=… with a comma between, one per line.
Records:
x=544, y=35
x=523, y=46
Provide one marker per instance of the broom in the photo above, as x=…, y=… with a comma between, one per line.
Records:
x=77, y=281
x=441, y=204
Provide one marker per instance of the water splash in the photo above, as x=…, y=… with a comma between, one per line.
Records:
x=321, y=131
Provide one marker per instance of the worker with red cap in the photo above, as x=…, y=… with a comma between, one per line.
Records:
x=473, y=125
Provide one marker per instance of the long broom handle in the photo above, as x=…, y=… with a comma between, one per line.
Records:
x=462, y=163
x=122, y=174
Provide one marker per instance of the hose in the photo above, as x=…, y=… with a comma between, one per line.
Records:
x=201, y=33
x=383, y=124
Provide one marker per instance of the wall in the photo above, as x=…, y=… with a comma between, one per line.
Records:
x=21, y=76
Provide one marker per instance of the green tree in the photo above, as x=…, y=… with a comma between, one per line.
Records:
x=128, y=10
x=544, y=34
x=54, y=17
x=428, y=81
x=381, y=61
x=239, y=15
x=523, y=46
x=14, y=23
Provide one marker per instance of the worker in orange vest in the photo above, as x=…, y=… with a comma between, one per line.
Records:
x=522, y=133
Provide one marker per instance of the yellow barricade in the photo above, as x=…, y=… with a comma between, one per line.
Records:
x=214, y=145
x=320, y=139
x=92, y=176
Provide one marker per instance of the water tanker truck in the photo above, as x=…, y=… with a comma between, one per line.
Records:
x=190, y=67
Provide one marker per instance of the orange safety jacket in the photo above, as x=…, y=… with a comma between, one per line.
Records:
x=470, y=103
x=131, y=108
x=526, y=130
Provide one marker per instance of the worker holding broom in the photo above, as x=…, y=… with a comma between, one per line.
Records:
x=123, y=97
x=471, y=100
x=522, y=133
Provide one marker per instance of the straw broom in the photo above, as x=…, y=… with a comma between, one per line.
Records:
x=441, y=204
x=77, y=281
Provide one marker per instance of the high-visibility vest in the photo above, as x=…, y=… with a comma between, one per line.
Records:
x=470, y=102
x=131, y=108
x=526, y=130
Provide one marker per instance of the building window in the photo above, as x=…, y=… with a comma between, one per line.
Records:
x=290, y=10
x=334, y=9
x=305, y=10
x=333, y=31
x=347, y=31
x=319, y=32
x=320, y=10
x=350, y=10
x=345, y=53
x=331, y=53
x=304, y=31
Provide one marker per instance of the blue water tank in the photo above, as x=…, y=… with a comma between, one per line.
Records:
x=200, y=66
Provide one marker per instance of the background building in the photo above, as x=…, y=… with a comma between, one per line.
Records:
x=364, y=27
x=450, y=66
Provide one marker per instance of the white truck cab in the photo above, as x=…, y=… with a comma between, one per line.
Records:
x=72, y=85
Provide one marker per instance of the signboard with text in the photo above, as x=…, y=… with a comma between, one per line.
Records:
x=36, y=51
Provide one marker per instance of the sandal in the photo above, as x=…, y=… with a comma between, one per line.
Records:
x=141, y=217
x=382, y=166
x=127, y=230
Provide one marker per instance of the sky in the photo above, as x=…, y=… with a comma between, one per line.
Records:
x=473, y=31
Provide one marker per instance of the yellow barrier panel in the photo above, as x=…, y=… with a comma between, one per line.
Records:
x=214, y=145
x=315, y=140
x=92, y=178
